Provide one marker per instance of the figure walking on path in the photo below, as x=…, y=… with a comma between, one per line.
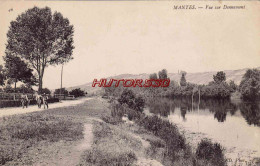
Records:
x=24, y=100
x=38, y=98
x=45, y=100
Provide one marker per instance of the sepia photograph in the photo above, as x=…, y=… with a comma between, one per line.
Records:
x=130, y=83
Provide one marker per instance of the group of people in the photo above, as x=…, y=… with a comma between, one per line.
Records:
x=40, y=99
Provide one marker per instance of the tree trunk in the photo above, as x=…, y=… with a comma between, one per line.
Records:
x=15, y=86
x=40, y=85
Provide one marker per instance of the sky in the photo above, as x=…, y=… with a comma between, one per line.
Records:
x=113, y=38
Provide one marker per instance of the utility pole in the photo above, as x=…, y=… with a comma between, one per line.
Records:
x=61, y=80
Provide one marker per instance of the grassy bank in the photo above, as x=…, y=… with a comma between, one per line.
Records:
x=18, y=134
x=170, y=143
x=28, y=138
x=111, y=146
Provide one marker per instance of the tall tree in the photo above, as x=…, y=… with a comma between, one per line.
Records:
x=2, y=76
x=250, y=84
x=183, y=81
x=41, y=38
x=219, y=77
x=153, y=76
x=163, y=74
x=17, y=70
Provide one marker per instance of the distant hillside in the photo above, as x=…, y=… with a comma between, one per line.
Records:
x=197, y=78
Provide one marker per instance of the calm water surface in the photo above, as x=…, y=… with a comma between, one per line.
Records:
x=236, y=126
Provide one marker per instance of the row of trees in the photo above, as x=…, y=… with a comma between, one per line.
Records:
x=161, y=75
x=75, y=92
x=36, y=39
x=218, y=88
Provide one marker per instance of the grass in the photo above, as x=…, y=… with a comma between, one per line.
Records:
x=212, y=152
x=171, y=147
x=111, y=147
x=20, y=133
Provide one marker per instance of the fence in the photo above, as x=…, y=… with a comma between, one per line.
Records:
x=17, y=96
x=14, y=96
x=64, y=97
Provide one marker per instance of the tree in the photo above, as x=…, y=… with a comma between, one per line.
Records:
x=2, y=76
x=183, y=79
x=46, y=91
x=61, y=91
x=153, y=76
x=128, y=97
x=77, y=92
x=18, y=70
x=250, y=84
x=41, y=38
x=219, y=77
x=163, y=74
x=232, y=86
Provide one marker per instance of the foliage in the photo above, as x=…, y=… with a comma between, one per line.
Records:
x=163, y=74
x=46, y=91
x=183, y=80
x=128, y=97
x=41, y=38
x=62, y=91
x=220, y=90
x=17, y=70
x=211, y=152
x=233, y=87
x=250, y=84
x=153, y=76
x=219, y=77
x=77, y=92
x=21, y=89
x=2, y=76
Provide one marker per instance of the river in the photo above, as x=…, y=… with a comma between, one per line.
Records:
x=235, y=125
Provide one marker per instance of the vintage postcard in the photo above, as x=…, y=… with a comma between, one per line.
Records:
x=131, y=82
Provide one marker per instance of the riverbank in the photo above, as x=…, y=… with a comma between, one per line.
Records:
x=73, y=135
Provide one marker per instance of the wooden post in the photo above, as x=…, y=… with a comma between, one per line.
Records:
x=61, y=79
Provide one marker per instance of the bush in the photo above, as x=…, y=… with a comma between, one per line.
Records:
x=46, y=91
x=211, y=152
x=166, y=131
x=128, y=97
x=250, y=85
x=61, y=91
x=77, y=92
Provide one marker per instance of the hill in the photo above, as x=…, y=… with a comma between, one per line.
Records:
x=197, y=78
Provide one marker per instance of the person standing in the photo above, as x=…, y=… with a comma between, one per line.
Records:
x=24, y=100
x=45, y=100
x=38, y=98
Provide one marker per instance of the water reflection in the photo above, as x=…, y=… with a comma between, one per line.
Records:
x=218, y=108
x=236, y=126
x=251, y=113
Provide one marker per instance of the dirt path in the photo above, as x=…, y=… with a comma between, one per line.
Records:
x=64, y=154
x=73, y=158
x=34, y=108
